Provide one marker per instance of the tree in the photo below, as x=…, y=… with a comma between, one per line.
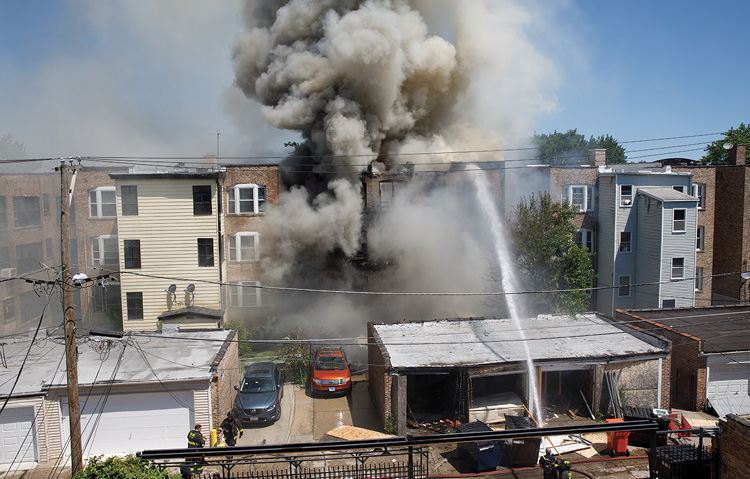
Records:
x=11, y=149
x=572, y=148
x=716, y=154
x=115, y=467
x=547, y=256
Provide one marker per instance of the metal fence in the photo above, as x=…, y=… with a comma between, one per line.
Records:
x=353, y=471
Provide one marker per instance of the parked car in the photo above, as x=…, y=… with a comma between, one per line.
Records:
x=259, y=394
x=330, y=372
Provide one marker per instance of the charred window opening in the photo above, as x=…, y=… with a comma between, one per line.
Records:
x=431, y=397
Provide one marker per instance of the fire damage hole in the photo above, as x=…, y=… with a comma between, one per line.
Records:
x=432, y=399
x=561, y=392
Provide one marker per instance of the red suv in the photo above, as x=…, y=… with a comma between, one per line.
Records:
x=330, y=372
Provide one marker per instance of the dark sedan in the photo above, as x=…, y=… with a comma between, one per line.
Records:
x=259, y=394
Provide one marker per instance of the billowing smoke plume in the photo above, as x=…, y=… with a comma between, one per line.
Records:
x=365, y=81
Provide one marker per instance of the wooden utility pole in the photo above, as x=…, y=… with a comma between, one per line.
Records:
x=71, y=351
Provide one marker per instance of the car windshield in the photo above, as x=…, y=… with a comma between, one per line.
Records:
x=257, y=385
x=330, y=363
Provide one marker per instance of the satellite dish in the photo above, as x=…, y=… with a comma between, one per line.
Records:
x=190, y=288
x=172, y=288
x=728, y=146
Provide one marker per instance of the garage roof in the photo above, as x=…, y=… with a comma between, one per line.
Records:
x=485, y=341
x=721, y=329
x=137, y=358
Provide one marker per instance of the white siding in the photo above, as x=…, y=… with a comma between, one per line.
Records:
x=202, y=405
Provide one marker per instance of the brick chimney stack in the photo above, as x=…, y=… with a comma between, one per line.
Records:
x=597, y=157
x=737, y=155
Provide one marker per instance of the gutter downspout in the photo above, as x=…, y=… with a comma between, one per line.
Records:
x=219, y=196
x=615, y=240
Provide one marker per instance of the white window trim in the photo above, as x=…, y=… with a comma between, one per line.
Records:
x=98, y=192
x=700, y=232
x=672, y=267
x=674, y=221
x=622, y=198
x=238, y=288
x=235, y=208
x=699, y=191
x=620, y=285
x=235, y=243
x=588, y=197
x=584, y=233
x=100, y=239
x=698, y=278
x=619, y=244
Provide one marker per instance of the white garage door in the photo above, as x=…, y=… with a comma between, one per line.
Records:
x=727, y=380
x=17, y=435
x=133, y=422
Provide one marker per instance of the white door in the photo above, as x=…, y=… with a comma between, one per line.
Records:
x=17, y=435
x=124, y=423
x=727, y=380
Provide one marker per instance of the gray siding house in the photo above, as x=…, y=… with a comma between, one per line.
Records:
x=647, y=238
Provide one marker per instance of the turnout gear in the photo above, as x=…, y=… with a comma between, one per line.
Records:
x=195, y=438
x=231, y=428
x=548, y=464
x=564, y=470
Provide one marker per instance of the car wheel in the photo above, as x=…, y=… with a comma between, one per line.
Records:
x=278, y=413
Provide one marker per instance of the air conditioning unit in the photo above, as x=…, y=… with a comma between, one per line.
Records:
x=7, y=273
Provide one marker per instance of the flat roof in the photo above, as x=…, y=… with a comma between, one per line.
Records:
x=666, y=194
x=137, y=358
x=721, y=329
x=485, y=341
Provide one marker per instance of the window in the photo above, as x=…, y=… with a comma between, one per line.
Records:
x=3, y=213
x=246, y=294
x=246, y=199
x=699, y=191
x=668, y=303
x=581, y=197
x=390, y=189
x=699, y=279
x=585, y=238
x=28, y=257
x=626, y=195
x=623, y=286
x=105, y=298
x=678, y=268
x=699, y=239
x=244, y=247
x=45, y=204
x=102, y=202
x=104, y=249
x=202, y=200
x=680, y=188
x=678, y=222
x=135, y=305
x=4, y=257
x=48, y=247
x=132, y=252
x=625, y=245
x=9, y=309
x=129, y=200
x=26, y=211
x=205, y=251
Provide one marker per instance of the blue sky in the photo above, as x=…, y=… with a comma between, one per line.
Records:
x=145, y=78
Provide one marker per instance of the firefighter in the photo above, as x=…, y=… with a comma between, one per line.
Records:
x=548, y=464
x=564, y=470
x=194, y=465
x=195, y=438
x=231, y=428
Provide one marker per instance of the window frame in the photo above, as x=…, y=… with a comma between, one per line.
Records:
x=258, y=199
x=103, y=299
x=698, y=279
x=237, y=296
x=386, y=198
x=235, y=247
x=621, y=286
x=568, y=192
x=676, y=222
x=134, y=305
x=675, y=268
x=680, y=188
x=129, y=200
x=629, y=196
x=700, y=238
x=206, y=253
x=629, y=242
x=3, y=212
x=699, y=191
x=26, y=211
x=128, y=247
x=98, y=202
x=586, y=239
x=102, y=250
x=665, y=301
x=202, y=200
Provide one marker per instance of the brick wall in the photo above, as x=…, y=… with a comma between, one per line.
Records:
x=728, y=234
x=225, y=377
x=379, y=383
x=732, y=447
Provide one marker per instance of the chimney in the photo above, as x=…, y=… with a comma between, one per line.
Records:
x=737, y=155
x=597, y=157
x=210, y=160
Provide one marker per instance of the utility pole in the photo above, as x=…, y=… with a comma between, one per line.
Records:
x=71, y=351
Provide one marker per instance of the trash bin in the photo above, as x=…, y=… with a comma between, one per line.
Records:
x=643, y=438
x=521, y=451
x=617, y=441
x=481, y=456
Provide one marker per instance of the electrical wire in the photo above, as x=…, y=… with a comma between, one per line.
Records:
x=164, y=386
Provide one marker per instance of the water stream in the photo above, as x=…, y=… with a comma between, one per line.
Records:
x=508, y=279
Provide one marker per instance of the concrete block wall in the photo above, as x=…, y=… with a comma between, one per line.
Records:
x=732, y=447
x=639, y=382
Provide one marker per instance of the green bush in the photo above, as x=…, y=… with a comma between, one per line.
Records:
x=390, y=424
x=116, y=467
x=295, y=358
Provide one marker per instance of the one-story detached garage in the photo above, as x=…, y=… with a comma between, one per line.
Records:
x=476, y=368
x=142, y=391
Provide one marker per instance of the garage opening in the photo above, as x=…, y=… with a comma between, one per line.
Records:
x=431, y=397
x=492, y=397
x=561, y=392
